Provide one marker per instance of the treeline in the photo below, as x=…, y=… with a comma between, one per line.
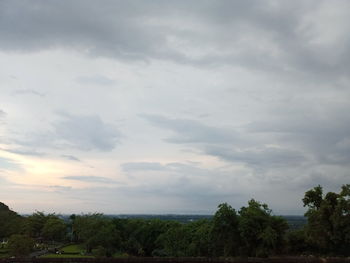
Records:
x=251, y=231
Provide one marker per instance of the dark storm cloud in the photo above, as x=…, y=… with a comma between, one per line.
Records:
x=269, y=35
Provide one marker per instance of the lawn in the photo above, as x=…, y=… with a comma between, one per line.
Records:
x=76, y=248
x=70, y=251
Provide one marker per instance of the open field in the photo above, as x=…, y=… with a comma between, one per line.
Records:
x=72, y=249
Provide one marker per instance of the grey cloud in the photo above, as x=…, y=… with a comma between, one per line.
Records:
x=326, y=138
x=60, y=188
x=260, y=158
x=2, y=116
x=185, y=168
x=303, y=143
x=147, y=30
x=24, y=151
x=28, y=92
x=96, y=80
x=86, y=132
x=142, y=166
x=192, y=131
x=90, y=179
x=183, y=181
x=82, y=132
x=70, y=157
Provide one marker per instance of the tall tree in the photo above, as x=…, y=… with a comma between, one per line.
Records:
x=225, y=234
x=54, y=229
x=262, y=233
x=328, y=228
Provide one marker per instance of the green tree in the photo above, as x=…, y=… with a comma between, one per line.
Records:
x=200, y=238
x=225, y=236
x=328, y=227
x=20, y=245
x=96, y=230
x=296, y=240
x=176, y=241
x=54, y=229
x=262, y=233
x=34, y=224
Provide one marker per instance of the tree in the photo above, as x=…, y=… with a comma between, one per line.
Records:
x=176, y=241
x=54, y=229
x=225, y=236
x=328, y=227
x=20, y=245
x=200, y=238
x=95, y=230
x=34, y=224
x=262, y=233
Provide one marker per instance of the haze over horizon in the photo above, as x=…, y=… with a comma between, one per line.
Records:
x=172, y=106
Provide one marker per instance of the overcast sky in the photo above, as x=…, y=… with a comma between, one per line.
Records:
x=172, y=106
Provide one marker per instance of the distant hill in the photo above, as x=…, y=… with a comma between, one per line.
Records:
x=9, y=221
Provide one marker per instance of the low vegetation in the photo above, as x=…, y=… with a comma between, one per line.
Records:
x=252, y=231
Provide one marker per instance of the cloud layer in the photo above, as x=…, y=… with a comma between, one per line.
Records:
x=158, y=106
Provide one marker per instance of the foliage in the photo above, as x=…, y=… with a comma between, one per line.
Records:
x=252, y=231
x=175, y=241
x=261, y=232
x=65, y=256
x=225, y=236
x=10, y=222
x=328, y=228
x=54, y=229
x=96, y=230
x=200, y=238
x=20, y=245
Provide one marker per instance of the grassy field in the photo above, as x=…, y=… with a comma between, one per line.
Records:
x=76, y=248
x=71, y=251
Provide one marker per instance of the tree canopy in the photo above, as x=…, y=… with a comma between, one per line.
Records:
x=253, y=230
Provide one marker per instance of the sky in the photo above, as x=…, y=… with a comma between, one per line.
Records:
x=172, y=106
